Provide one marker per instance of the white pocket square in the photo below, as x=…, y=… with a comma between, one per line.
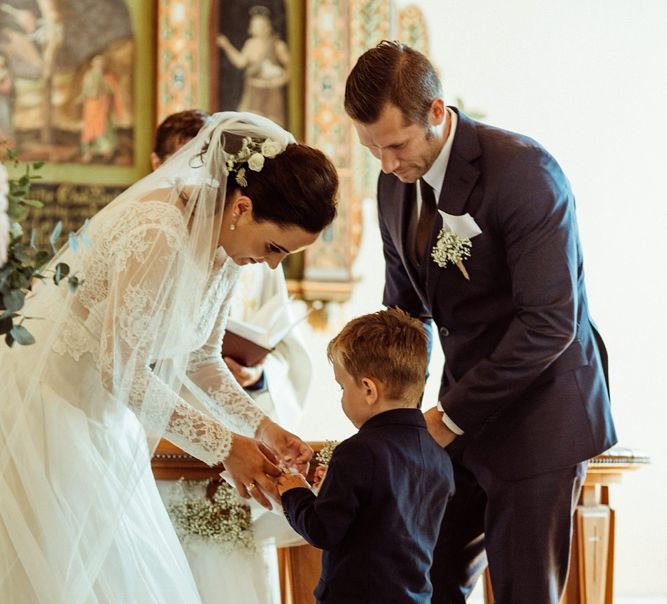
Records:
x=463, y=226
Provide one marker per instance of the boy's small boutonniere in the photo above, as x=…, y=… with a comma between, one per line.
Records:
x=322, y=459
x=324, y=455
x=453, y=244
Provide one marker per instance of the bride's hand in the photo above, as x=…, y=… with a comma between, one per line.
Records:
x=251, y=468
x=288, y=447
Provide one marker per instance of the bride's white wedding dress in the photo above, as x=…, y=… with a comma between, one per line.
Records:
x=81, y=520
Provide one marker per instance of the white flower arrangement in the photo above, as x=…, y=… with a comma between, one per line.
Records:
x=223, y=519
x=322, y=459
x=323, y=456
x=451, y=248
x=453, y=244
x=253, y=154
x=271, y=148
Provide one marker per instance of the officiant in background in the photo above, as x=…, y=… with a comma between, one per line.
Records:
x=278, y=384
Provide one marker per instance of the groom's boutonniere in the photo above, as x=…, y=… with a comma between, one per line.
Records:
x=453, y=244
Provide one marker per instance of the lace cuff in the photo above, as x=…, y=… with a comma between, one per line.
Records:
x=199, y=436
x=188, y=428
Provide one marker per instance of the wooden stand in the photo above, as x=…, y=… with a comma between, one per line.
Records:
x=591, y=576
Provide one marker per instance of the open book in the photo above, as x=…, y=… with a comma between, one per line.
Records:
x=248, y=342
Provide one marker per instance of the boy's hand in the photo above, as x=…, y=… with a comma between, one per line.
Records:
x=318, y=477
x=291, y=481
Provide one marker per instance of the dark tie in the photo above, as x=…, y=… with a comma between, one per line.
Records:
x=425, y=223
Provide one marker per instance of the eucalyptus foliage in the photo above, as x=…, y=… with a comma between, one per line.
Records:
x=26, y=261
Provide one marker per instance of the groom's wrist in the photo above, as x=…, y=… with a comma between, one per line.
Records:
x=451, y=425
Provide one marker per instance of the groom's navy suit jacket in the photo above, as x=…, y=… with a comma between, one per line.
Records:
x=378, y=513
x=524, y=375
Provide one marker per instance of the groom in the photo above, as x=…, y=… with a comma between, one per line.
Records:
x=523, y=401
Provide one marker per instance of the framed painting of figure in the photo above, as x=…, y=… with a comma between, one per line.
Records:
x=76, y=92
x=257, y=57
x=69, y=84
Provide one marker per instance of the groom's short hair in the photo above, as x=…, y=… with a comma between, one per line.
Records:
x=389, y=346
x=392, y=72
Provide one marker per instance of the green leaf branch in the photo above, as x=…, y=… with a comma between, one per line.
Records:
x=26, y=261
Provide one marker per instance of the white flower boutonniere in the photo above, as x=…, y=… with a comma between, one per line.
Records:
x=453, y=244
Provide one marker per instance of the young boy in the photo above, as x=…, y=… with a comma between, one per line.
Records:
x=379, y=509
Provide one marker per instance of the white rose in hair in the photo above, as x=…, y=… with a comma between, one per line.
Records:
x=271, y=148
x=256, y=162
x=4, y=219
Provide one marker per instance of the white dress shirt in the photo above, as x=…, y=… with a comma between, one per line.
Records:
x=435, y=177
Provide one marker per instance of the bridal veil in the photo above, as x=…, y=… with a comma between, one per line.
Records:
x=83, y=408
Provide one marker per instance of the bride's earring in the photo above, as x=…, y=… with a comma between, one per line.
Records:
x=232, y=227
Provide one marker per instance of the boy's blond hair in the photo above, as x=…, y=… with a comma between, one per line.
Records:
x=389, y=346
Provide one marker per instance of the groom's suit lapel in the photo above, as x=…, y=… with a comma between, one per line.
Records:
x=461, y=177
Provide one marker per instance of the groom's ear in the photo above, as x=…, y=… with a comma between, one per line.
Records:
x=371, y=390
x=437, y=112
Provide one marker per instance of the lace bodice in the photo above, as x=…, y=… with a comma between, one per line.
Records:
x=128, y=317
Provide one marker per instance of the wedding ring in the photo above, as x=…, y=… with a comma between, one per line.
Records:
x=250, y=487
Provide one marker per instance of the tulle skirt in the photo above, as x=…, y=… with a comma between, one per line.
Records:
x=81, y=519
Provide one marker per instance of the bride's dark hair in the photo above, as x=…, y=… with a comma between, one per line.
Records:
x=297, y=187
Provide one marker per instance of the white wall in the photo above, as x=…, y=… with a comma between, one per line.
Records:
x=588, y=79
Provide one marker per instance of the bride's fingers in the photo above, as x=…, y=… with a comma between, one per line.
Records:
x=259, y=487
x=305, y=454
x=254, y=489
x=268, y=453
x=241, y=487
x=270, y=469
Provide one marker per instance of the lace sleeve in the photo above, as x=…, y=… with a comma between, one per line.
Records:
x=224, y=398
x=139, y=333
x=188, y=428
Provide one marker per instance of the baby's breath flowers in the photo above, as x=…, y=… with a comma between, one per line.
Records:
x=323, y=456
x=224, y=519
x=323, y=459
x=451, y=248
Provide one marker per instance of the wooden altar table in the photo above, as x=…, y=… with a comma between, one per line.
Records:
x=591, y=577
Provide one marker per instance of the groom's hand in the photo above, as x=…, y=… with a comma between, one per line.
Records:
x=440, y=433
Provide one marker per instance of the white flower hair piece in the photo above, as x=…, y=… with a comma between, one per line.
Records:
x=252, y=156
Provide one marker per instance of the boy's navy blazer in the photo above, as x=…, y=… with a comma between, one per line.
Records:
x=525, y=371
x=378, y=513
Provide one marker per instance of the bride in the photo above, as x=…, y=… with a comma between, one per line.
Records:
x=133, y=355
